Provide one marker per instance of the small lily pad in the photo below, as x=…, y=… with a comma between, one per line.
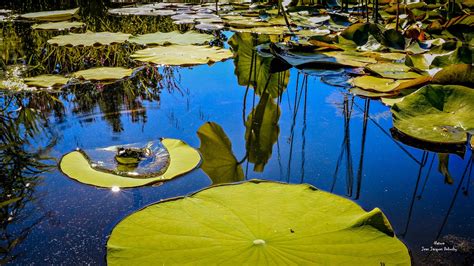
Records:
x=57, y=15
x=183, y=159
x=89, y=39
x=103, y=73
x=46, y=81
x=182, y=55
x=58, y=26
x=256, y=223
x=436, y=113
x=174, y=37
x=393, y=71
x=376, y=84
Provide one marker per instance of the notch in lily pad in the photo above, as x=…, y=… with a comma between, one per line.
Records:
x=256, y=223
x=182, y=159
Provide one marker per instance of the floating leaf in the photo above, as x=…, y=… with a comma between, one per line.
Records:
x=436, y=113
x=57, y=15
x=358, y=32
x=58, y=26
x=219, y=161
x=141, y=11
x=183, y=159
x=376, y=84
x=46, y=81
x=103, y=73
x=89, y=39
x=256, y=223
x=174, y=37
x=393, y=71
x=462, y=55
x=370, y=94
x=182, y=55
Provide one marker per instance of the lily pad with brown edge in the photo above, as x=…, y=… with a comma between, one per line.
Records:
x=436, y=113
x=392, y=70
x=183, y=159
x=89, y=39
x=174, y=37
x=277, y=30
x=56, y=15
x=59, y=26
x=182, y=55
x=257, y=223
x=103, y=73
x=46, y=81
x=219, y=162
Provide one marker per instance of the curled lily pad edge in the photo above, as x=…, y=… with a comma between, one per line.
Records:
x=168, y=144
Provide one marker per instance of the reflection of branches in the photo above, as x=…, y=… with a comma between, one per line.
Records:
x=19, y=169
x=362, y=148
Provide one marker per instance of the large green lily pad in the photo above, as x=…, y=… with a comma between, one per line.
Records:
x=46, y=81
x=174, y=37
x=219, y=161
x=89, y=39
x=57, y=15
x=256, y=223
x=183, y=159
x=436, y=113
x=58, y=26
x=459, y=74
x=182, y=55
x=103, y=73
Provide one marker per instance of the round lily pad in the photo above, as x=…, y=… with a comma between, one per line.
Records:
x=375, y=83
x=58, y=26
x=183, y=159
x=89, y=39
x=436, y=113
x=256, y=223
x=182, y=55
x=103, y=73
x=174, y=37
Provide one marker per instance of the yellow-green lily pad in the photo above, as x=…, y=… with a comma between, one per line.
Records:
x=58, y=26
x=376, y=84
x=89, y=39
x=182, y=55
x=174, y=37
x=393, y=70
x=183, y=159
x=436, y=113
x=46, y=81
x=256, y=223
x=56, y=15
x=103, y=73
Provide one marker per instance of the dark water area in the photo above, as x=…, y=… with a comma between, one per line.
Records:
x=327, y=137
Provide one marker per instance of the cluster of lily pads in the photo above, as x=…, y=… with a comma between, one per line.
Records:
x=426, y=79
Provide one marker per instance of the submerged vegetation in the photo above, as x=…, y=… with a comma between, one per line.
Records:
x=100, y=56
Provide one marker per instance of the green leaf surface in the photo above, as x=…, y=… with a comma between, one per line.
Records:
x=393, y=71
x=256, y=223
x=89, y=39
x=436, y=113
x=183, y=159
x=459, y=74
x=376, y=84
x=174, y=37
x=182, y=55
x=46, y=81
x=58, y=26
x=103, y=73
x=219, y=161
x=56, y=15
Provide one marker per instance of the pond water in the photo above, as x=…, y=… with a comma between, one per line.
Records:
x=327, y=138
